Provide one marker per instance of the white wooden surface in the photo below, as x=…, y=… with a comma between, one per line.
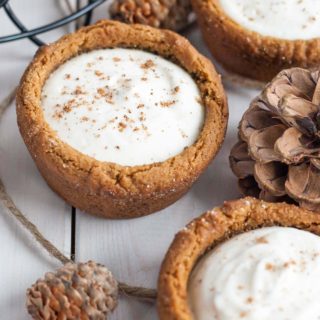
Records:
x=132, y=249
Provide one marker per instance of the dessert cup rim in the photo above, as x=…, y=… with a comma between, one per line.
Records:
x=111, y=179
x=209, y=230
x=252, y=34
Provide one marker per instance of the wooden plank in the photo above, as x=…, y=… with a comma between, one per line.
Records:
x=23, y=261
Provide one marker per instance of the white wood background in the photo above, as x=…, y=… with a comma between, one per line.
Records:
x=131, y=249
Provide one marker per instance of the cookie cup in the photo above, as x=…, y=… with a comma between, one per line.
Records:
x=109, y=189
x=249, y=53
x=209, y=230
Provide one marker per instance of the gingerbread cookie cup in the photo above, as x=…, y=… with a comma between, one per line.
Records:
x=211, y=229
x=257, y=55
x=107, y=188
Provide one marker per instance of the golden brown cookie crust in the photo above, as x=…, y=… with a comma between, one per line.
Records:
x=109, y=189
x=247, y=52
x=210, y=229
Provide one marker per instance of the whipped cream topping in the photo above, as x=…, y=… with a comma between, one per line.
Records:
x=268, y=273
x=124, y=106
x=285, y=19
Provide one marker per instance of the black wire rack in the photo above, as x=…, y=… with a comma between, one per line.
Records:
x=32, y=34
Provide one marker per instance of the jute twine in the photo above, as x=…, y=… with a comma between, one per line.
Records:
x=133, y=291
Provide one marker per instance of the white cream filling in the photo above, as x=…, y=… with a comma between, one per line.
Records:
x=285, y=19
x=269, y=273
x=124, y=106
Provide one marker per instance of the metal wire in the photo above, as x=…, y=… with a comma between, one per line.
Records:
x=25, y=33
x=19, y=24
x=3, y=2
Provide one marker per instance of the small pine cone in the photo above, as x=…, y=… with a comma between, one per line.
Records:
x=170, y=14
x=277, y=157
x=76, y=291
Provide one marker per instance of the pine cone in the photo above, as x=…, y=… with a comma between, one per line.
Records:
x=170, y=14
x=76, y=291
x=277, y=157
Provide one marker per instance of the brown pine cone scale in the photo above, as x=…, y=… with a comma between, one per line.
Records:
x=277, y=157
x=170, y=14
x=84, y=291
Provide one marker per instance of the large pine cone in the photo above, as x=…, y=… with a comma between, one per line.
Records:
x=170, y=14
x=278, y=155
x=76, y=291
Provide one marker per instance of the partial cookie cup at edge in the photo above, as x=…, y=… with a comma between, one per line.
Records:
x=104, y=188
x=249, y=53
x=210, y=229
